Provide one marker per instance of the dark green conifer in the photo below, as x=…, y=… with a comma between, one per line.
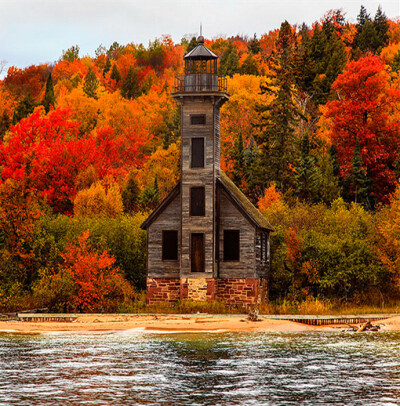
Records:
x=91, y=84
x=359, y=180
x=115, y=75
x=130, y=193
x=107, y=67
x=24, y=108
x=229, y=61
x=5, y=123
x=249, y=66
x=307, y=180
x=49, y=98
x=130, y=87
x=277, y=142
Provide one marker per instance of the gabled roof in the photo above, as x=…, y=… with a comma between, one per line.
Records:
x=200, y=52
x=159, y=209
x=236, y=195
x=244, y=203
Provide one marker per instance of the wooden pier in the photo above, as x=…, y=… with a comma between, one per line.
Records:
x=34, y=317
x=331, y=319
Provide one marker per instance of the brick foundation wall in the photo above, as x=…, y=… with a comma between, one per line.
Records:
x=236, y=291
x=163, y=290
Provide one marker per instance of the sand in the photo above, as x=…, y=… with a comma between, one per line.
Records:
x=97, y=323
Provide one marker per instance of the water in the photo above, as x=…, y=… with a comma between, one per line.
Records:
x=201, y=369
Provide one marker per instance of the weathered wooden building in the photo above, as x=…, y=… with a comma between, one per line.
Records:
x=206, y=241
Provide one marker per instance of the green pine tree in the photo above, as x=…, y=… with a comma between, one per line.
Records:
x=277, y=143
x=359, y=180
x=107, y=67
x=91, y=84
x=382, y=27
x=115, y=75
x=254, y=45
x=5, y=123
x=229, y=61
x=238, y=160
x=307, y=179
x=249, y=66
x=130, y=193
x=49, y=98
x=24, y=108
x=130, y=87
x=150, y=197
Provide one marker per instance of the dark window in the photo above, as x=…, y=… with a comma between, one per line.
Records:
x=169, y=245
x=197, y=119
x=197, y=252
x=197, y=201
x=231, y=245
x=197, y=153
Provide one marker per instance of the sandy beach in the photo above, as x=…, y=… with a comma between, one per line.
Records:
x=87, y=323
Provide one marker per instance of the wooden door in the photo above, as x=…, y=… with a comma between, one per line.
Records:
x=197, y=252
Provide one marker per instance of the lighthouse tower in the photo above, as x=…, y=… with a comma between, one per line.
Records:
x=206, y=241
x=201, y=93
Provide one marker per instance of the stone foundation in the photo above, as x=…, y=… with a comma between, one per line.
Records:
x=233, y=291
x=163, y=290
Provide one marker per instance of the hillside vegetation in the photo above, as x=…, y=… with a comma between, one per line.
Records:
x=89, y=145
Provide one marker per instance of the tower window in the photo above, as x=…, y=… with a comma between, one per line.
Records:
x=169, y=245
x=197, y=119
x=197, y=153
x=197, y=201
x=231, y=245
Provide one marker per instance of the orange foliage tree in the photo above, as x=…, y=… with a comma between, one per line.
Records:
x=98, y=284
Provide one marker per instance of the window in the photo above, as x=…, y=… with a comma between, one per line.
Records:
x=231, y=245
x=197, y=252
x=197, y=119
x=197, y=153
x=197, y=201
x=169, y=245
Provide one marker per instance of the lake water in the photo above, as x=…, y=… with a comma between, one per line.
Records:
x=133, y=368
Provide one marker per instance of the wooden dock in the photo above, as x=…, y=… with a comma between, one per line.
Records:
x=37, y=317
x=331, y=319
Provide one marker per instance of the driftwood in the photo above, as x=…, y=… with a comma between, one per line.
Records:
x=253, y=315
x=367, y=326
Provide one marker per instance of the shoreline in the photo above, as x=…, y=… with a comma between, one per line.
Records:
x=173, y=323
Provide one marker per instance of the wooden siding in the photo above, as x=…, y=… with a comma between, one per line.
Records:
x=169, y=219
x=232, y=219
x=192, y=177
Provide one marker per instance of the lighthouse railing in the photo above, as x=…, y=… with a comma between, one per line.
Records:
x=200, y=82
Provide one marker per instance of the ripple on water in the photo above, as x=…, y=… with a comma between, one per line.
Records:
x=201, y=369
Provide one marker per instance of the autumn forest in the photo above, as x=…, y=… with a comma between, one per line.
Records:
x=89, y=145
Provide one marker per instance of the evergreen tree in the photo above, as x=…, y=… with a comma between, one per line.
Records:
x=151, y=196
x=130, y=85
x=115, y=75
x=5, y=123
x=277, y=143
x=359, y=180
x=371, y=35
x=382, y=27
x=229, y=61
x=254, y=45
x=249, y=66
x=192, y=44
x=307, y=180
x=24, y=108
x=396, y=62
x=238, y=160
x=91, y=84
x=71, y=54
x=130, y=194
x=107, y=67
x=49, y=98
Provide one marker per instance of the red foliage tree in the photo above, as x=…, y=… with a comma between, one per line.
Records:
x=367, y=110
